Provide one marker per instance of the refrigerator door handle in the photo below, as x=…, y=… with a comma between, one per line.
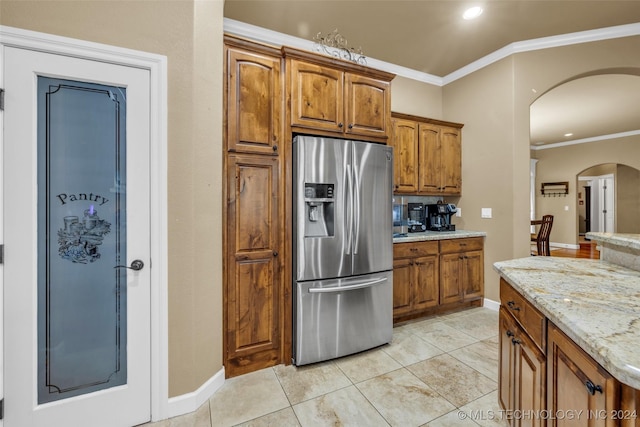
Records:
x=366, y=284
x=356, y=207
x=349, y=208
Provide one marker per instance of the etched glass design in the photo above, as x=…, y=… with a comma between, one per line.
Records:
x=82, y=306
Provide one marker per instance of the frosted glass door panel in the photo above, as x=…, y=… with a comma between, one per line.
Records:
x=82, y=296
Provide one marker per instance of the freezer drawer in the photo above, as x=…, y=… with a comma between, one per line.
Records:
x=337, y=317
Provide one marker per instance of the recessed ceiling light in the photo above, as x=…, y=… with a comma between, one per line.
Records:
x=472, y=12
x=568, y=134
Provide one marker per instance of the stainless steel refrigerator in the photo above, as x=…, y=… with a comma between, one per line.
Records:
x=342, y=247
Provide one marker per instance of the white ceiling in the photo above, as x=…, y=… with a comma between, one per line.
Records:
x=430, y=36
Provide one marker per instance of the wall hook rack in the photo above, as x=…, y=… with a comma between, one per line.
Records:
x=554, y=189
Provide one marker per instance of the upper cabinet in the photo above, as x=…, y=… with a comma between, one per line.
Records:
x=254, y=98
x=428, y=155
x=335, y=97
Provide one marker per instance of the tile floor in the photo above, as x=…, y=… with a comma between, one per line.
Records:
x=439, y=371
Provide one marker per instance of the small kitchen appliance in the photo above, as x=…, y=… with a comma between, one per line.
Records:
x=417, y=217
x=440, y=216
x=399, y=219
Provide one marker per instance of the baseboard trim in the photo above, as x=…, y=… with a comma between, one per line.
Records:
x=491, y=304
x=190, y=402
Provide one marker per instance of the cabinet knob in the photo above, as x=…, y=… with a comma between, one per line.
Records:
x=340, y=125
x=592, y=388
x=275, y=253
x=512, y=305
x=515, y=341
x=509, y=333
x=350, y=125
x=275, y=148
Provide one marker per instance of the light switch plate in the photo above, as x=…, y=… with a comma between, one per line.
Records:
x=486, y=213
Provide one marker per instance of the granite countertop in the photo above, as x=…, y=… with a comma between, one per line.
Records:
x=596, y=303
x=438, y=235
x=630, y=241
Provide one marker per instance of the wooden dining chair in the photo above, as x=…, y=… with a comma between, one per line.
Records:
x=542, y=237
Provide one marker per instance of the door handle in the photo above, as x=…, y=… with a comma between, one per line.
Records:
x=136, y=265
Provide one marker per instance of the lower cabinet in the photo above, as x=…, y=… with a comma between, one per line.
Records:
x=426, y=280
x=461, y=270
x=415, y=277
x=579, y=385
x=521, y=384
x=253, y=276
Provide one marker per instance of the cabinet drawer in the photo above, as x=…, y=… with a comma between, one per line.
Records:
x=531, y=320
x=460, y=245
x=416, y=249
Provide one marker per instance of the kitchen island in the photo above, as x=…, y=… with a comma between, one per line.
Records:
x=579, y=321
x=437, y=235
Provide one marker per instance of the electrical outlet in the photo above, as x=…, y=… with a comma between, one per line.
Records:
x=486, y=213
x=458, y=212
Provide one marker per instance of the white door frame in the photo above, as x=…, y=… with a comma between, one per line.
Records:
x=157, y=67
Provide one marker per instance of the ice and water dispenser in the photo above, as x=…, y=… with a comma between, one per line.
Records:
x=319, y=210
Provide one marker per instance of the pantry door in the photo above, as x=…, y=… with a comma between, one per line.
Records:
x=77, y=242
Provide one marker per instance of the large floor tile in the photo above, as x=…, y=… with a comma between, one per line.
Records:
x=455, y=418
x=481, y=356
x=306, y=382
x=345, y=407
x=443, y=336
x=454, y=380
x=486, y=411
x=480, y=323
x=404, y=400
x=407, y=349
x=283, y=418
x=369, y=364
x=246, y=397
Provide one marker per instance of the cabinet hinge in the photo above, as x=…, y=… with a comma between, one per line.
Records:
x=1, y=99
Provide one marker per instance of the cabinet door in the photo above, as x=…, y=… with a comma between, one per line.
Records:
x=367, y=106
x=402, y=283
x=253, y=282
x=317, y=97
x=430, y=165
x=450, y=278
x=405, y=156
x=506, y=372
x=254, y=100
x=425, y=290
x=577, y=383
x=473, y=274
x=529, y=375
x=451, y=160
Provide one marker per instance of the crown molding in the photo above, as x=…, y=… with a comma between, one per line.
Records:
x=586, y=140
x=264, y=35
x=259, y=34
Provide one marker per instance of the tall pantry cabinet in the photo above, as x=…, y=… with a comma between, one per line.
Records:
x=253, y=207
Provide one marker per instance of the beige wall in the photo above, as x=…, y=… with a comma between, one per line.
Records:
x=628, y=199
x=189, y=33
x=409, y=96
x=565, y=164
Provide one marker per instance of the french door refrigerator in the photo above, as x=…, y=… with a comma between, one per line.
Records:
x=342, y=247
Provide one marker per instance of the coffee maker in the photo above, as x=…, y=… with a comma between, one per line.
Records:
x=440, y=216
x=417, y=217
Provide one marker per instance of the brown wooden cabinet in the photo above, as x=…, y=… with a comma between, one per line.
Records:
x=337, y=97
x=461, y=270
x=415, y=277
x=405, y=156
x=428, y=156
x=521, y=383
x=254, y=98
x=577, y=383
x=254, y=285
